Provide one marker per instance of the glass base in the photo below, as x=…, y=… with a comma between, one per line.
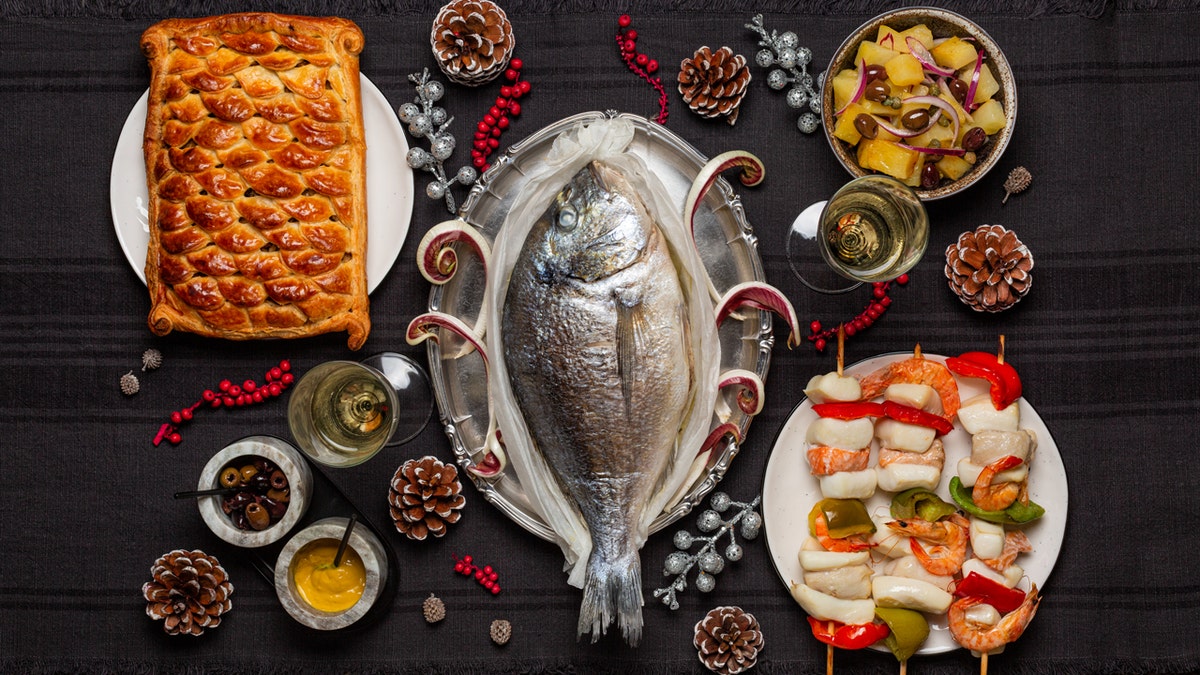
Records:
x=413, y=392
x=804, y=255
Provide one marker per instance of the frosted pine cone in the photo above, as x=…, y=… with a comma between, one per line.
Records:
x=433, y=608
x=189, y=593
x=425, y=496
x=130, y=384
x=728, y=640
x=472, y=41
x=501, y=631
x=989, y=268
x=713, y=83
x=151, y=359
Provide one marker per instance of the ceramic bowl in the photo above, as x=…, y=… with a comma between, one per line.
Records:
x=368, y=547
x=943, y=23
x=281, y=454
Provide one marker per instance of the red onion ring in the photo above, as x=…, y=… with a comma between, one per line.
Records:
x=922, y=54
x=858, y=92
x=941, y=103
x=969, y=101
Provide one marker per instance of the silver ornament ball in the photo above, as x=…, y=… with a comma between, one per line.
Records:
x=420, y=125
x=438, y=116
x=787, y=57
x=708, y=521
x=418, y=158
x=435, y=190
x=777, y=79
x=407, y=111
x=751, y=524
x=676, y=563
x=705, y=582
x=721, y=502
x=803, y=56
x=433, y=90
x=821, y=80
x=789, y=39
x=733, y=552
x=808, y=123
x=466, y=175
x=797, y=97
x=683, y=540
x=815, y=106
x=765, y=58
x=442, y=146
x=711, y=562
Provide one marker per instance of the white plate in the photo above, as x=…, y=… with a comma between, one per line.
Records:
x=389, y=186
x=790, y=491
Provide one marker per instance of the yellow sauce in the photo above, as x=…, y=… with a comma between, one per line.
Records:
x=324, y=587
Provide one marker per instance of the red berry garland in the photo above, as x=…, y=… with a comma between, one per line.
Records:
x=498, y=118
x=228, y=395
x=643, y=66
x=878, y=304
x=486, y=576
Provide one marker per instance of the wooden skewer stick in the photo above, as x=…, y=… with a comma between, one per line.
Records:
x=829, y=648
x=1000, y=354
x=983, y=664
x=841, y=356
x=917, y=351
x=903, y=667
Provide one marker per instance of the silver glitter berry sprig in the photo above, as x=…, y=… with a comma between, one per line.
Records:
x=426, y=120
x=710, y=562
x=792, y=60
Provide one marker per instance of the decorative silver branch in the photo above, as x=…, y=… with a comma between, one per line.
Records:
x=792, y=60
x=426, y=120
x=710, y=562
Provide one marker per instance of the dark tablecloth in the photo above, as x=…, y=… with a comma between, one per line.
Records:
x=1106, y=343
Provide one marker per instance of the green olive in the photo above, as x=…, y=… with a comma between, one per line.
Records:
x=257, y=516
x=230, y=477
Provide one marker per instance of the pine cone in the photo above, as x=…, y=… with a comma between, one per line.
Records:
x=472, y=41
x=151, y=359
x=728, y=640
x=425, y=497
x=130, y=384
x=501, y=631
x=989, y=268
x=190, y=592
x=713, y=83
x=1018, y=179
x=433, y=608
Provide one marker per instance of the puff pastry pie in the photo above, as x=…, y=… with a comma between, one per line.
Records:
x=256, y=165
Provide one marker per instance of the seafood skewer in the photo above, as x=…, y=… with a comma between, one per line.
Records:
x=839, y=452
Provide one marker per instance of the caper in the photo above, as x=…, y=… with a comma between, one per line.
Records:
x=930, y=176
x=876, y=72
x=876, y=91
x=935, y=143
x=974, y=139
x=895, y=103
x=257, y=516
x=970, y=158
x=917, y=118
x=958, y=89
x=944, y=121
x=866, y=125
x=935, y=90
x=230, y=477
x=248, y=472
x=278, y=479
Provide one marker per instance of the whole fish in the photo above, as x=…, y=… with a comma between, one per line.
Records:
x=596, y=343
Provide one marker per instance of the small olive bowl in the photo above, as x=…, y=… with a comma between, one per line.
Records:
x=281, y=454
x=368, y=547
x=943, y=23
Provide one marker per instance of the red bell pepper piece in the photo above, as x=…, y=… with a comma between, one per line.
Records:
x=849, y=411
x=1005, y=371
x=848, y=636
x=1003, y=598
x=911, y=415
x=997, y=388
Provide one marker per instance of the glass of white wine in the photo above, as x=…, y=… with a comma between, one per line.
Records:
x=342, y=413
x=873, y=229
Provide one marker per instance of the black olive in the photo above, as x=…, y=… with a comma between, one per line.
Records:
x=974, y=139
x=876, y=72
x=930, y=176
x=274, y=508
x=958, y=89
x=917, y=118
x=876, y=91
x=866, y=125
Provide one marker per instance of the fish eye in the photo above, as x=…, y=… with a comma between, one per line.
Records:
x=567, y=217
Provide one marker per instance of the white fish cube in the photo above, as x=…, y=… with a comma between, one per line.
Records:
x=911, y=568
x=920, y=396
x=978, y=414
x=987, y=538
x=816, y=561
x=988, y=446
x=892, y=591
x=887, y=541
x=845, y=434
x=831, y=387
x=1011, y=576
x=968, y=473
x=825, y=607
x=903, y=436
x=849, y=484
x=897, y=477
x=849, y=583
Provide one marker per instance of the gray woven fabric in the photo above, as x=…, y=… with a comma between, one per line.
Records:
x=1106, y=343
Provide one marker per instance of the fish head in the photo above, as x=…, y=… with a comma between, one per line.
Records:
x=596, y=226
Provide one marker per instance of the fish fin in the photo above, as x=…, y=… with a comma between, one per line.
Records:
x=613, y=590
x=631, y=336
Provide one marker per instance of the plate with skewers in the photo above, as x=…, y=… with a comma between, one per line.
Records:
x=790, y=491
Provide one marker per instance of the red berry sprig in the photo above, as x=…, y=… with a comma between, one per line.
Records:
x=228, y=395
x=880, y=301
x=499, y=117
x=643, y=66
x=486, y=576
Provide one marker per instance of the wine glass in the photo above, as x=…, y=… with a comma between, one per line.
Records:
x=342, y=413
x=873, y=229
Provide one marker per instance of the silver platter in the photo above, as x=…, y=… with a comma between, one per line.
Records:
x=727, y=245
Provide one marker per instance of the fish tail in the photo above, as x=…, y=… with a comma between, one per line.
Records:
x=613, y=589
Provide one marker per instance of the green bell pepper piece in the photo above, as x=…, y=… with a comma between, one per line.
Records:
x=908, y=631
x=921, y=503
x=1017, y=514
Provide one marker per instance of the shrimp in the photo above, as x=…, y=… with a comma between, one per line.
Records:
x=826, y=460
x=948, y=539
x=915, y=370
x=935, y=456
x=984, y=639
x=998, y=496
x=854, y=542
x=1015, y=542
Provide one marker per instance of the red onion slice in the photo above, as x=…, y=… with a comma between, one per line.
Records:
x=969, y=101
x=858, y=92
x=941, y=103
x=922, y=54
